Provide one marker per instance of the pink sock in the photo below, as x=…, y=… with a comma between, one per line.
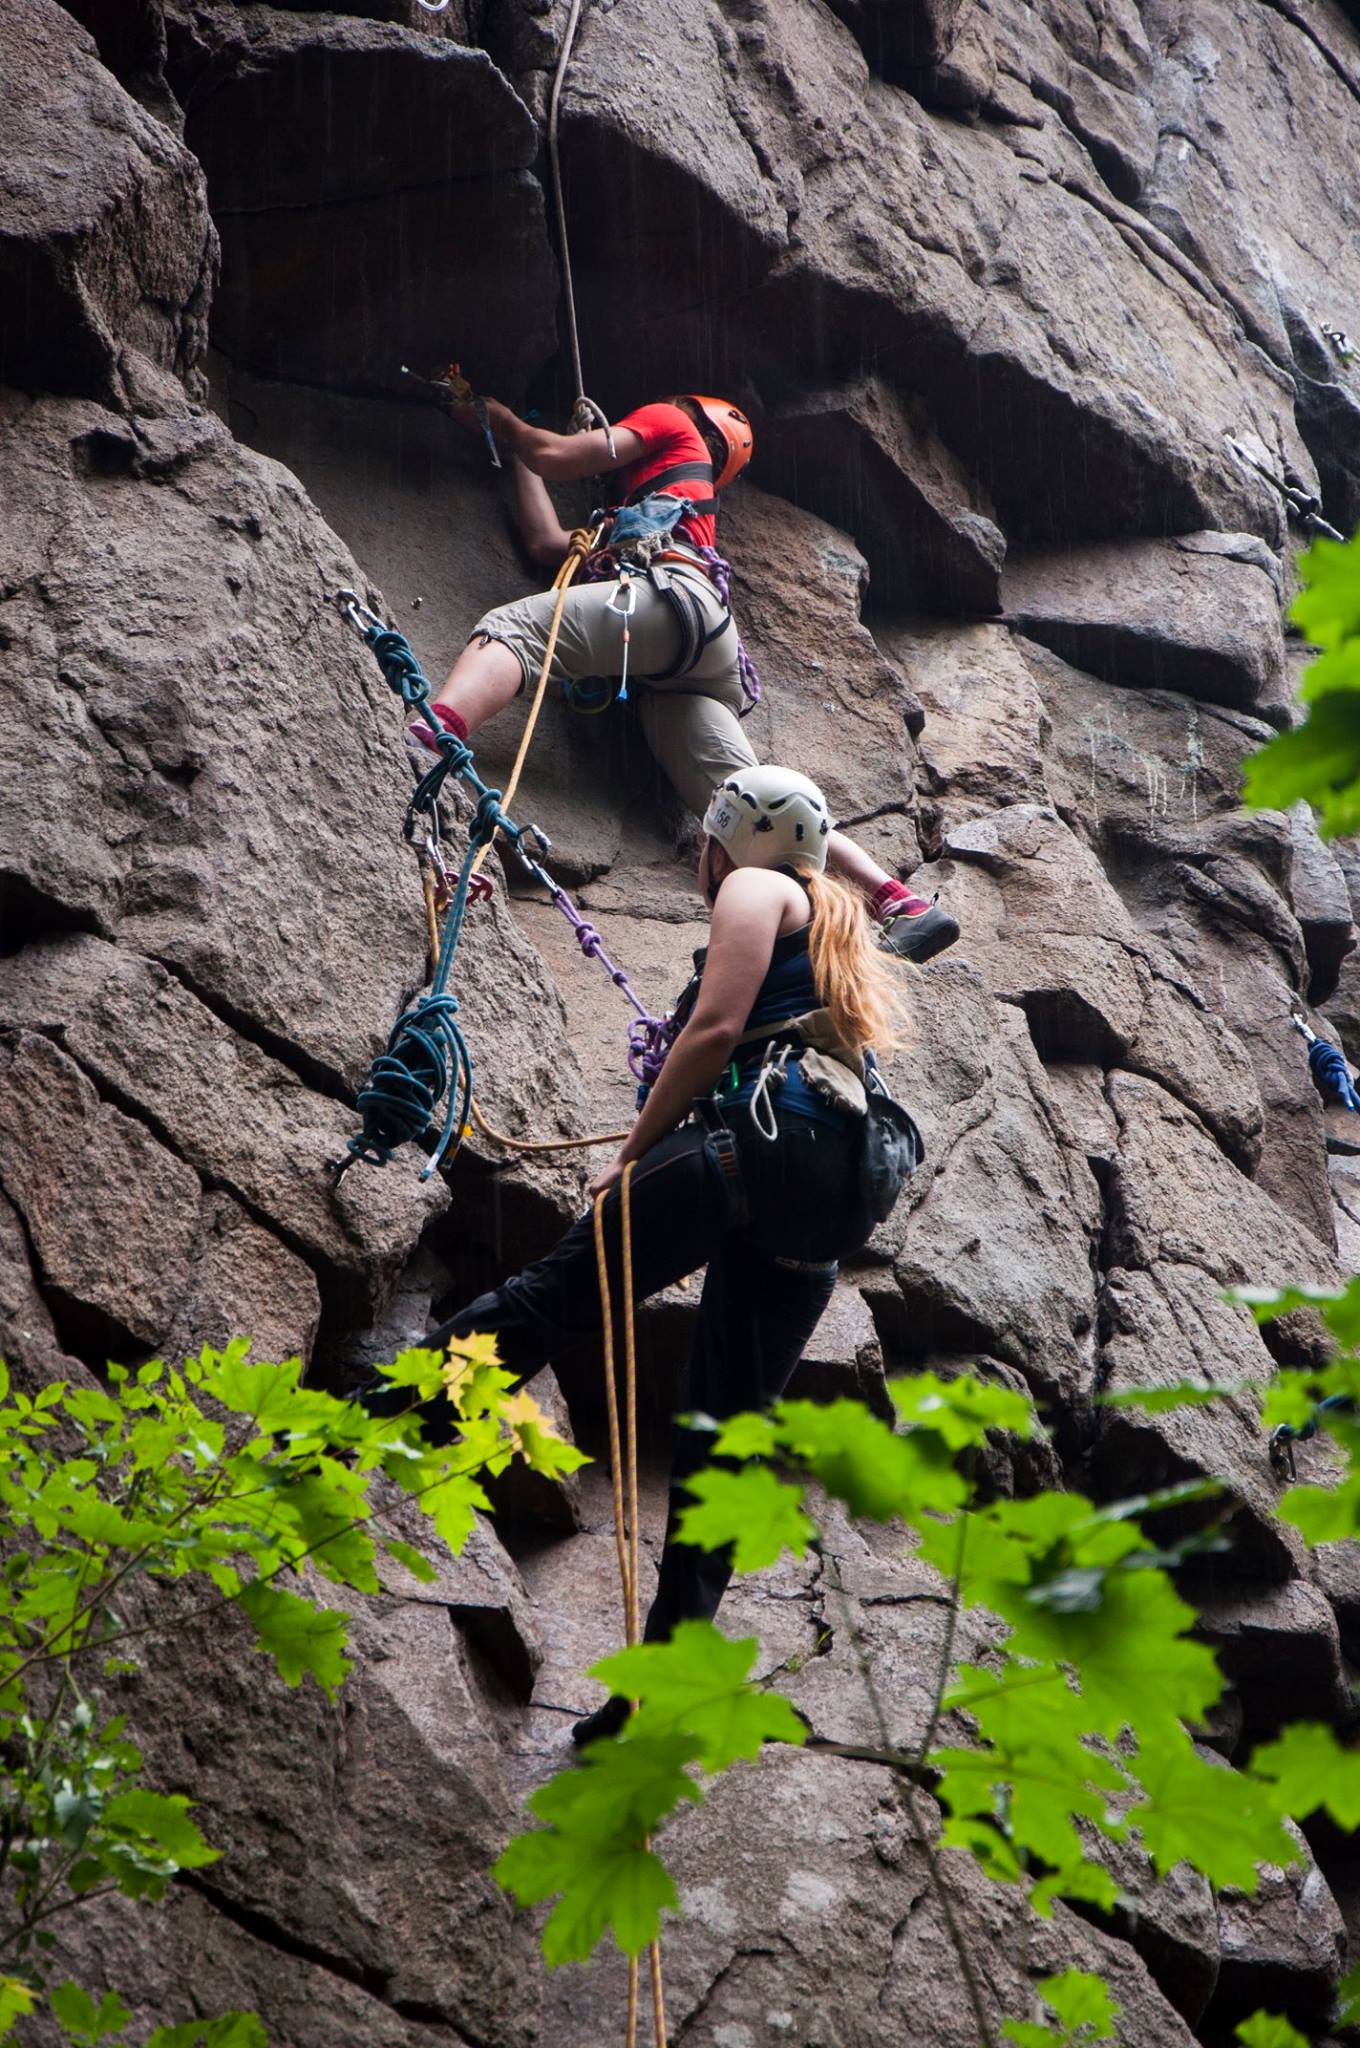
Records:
x=451, y=720
x=893, y=900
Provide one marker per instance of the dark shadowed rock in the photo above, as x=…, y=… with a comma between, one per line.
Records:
x=1282, y=1949
x=1321, y=904
x=1279, y=1649
x=105, y=240
x=859, y=457
x=1162, y=615
x=415, y=150
x=29, y=1343
x=200, y=1955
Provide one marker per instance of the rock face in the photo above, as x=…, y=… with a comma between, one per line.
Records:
x=1006, y=290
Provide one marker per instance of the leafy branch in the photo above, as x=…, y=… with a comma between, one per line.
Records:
x=234, y=1475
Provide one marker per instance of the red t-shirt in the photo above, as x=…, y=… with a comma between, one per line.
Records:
x=670, y=437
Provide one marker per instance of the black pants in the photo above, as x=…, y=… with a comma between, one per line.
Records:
x=770, y=1275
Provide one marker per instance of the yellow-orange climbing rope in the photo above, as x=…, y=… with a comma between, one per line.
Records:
x=583, y=542
x=624, y=1472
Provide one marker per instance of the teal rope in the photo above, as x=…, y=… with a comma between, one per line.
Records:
x=427, y=1053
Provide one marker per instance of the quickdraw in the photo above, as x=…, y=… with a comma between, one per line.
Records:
x=1299, y=504
x=1282, y=1440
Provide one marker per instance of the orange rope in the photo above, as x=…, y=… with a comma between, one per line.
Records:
x=626, y=1519
x=583, y=541
x=542, y=1144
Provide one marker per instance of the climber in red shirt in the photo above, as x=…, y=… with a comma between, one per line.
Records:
x=683, y=652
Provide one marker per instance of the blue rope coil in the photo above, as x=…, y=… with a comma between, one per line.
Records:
x=427, y=1053
x=1330, y=1072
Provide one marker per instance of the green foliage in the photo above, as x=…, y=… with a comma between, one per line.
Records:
x=1321, y=1514
x=1319, y=762
x=1162, y=1400
x=1268, y=2030
x=697, y=1708
x=1079, y=1727
x=1081, y=2006
x=233, y=1476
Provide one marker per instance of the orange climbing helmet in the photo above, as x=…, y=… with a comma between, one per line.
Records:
x=733, y=427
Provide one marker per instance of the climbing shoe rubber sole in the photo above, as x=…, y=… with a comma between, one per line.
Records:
x=921, y=937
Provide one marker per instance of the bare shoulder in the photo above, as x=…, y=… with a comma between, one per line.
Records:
x=759, y=893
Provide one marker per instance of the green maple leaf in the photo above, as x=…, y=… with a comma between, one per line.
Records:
x=80, y=2015
x=16, y=1997
x=229, y=2030
x=1078, y=1998
x=1337, y=670
x=299, y=1637
x=1323, y=1514
x=626, y=1889
x=264, y=1392
x=1317, y=763
x=757, y=1513
x=961, y=1410
x=698, y=1683
x=1309, y=1768
x=595, y=1852
x=161, y=1823
x=620, y=1790
x=1328, y=607
x=1270, y=2030
x=860, y=1460
x=1220, y=1822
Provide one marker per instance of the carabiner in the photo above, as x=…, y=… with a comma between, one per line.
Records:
x=353, y=608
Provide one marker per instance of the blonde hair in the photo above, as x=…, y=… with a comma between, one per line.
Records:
x=854, y=977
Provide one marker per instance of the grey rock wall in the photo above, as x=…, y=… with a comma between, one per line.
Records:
x=997, y=283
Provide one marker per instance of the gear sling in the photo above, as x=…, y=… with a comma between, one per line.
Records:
x=641, y=541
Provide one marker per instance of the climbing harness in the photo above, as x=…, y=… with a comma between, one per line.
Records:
x=1283, y=1439
x=641, y=539
x=623, y=1446
x=585, y=413
x=426, y=1053
x=1327, y=1064
x=1299, y=504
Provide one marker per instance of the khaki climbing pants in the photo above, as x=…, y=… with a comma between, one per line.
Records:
x=691, y=723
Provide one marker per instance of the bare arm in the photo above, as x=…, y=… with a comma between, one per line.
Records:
x=544, y=535
x=746, y=922
x=558, y=458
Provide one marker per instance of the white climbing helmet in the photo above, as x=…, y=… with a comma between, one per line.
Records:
x=769, y=817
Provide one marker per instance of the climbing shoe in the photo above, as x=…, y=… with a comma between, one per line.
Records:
x=606, y=1720
x=919, y=935
x=421, y=740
